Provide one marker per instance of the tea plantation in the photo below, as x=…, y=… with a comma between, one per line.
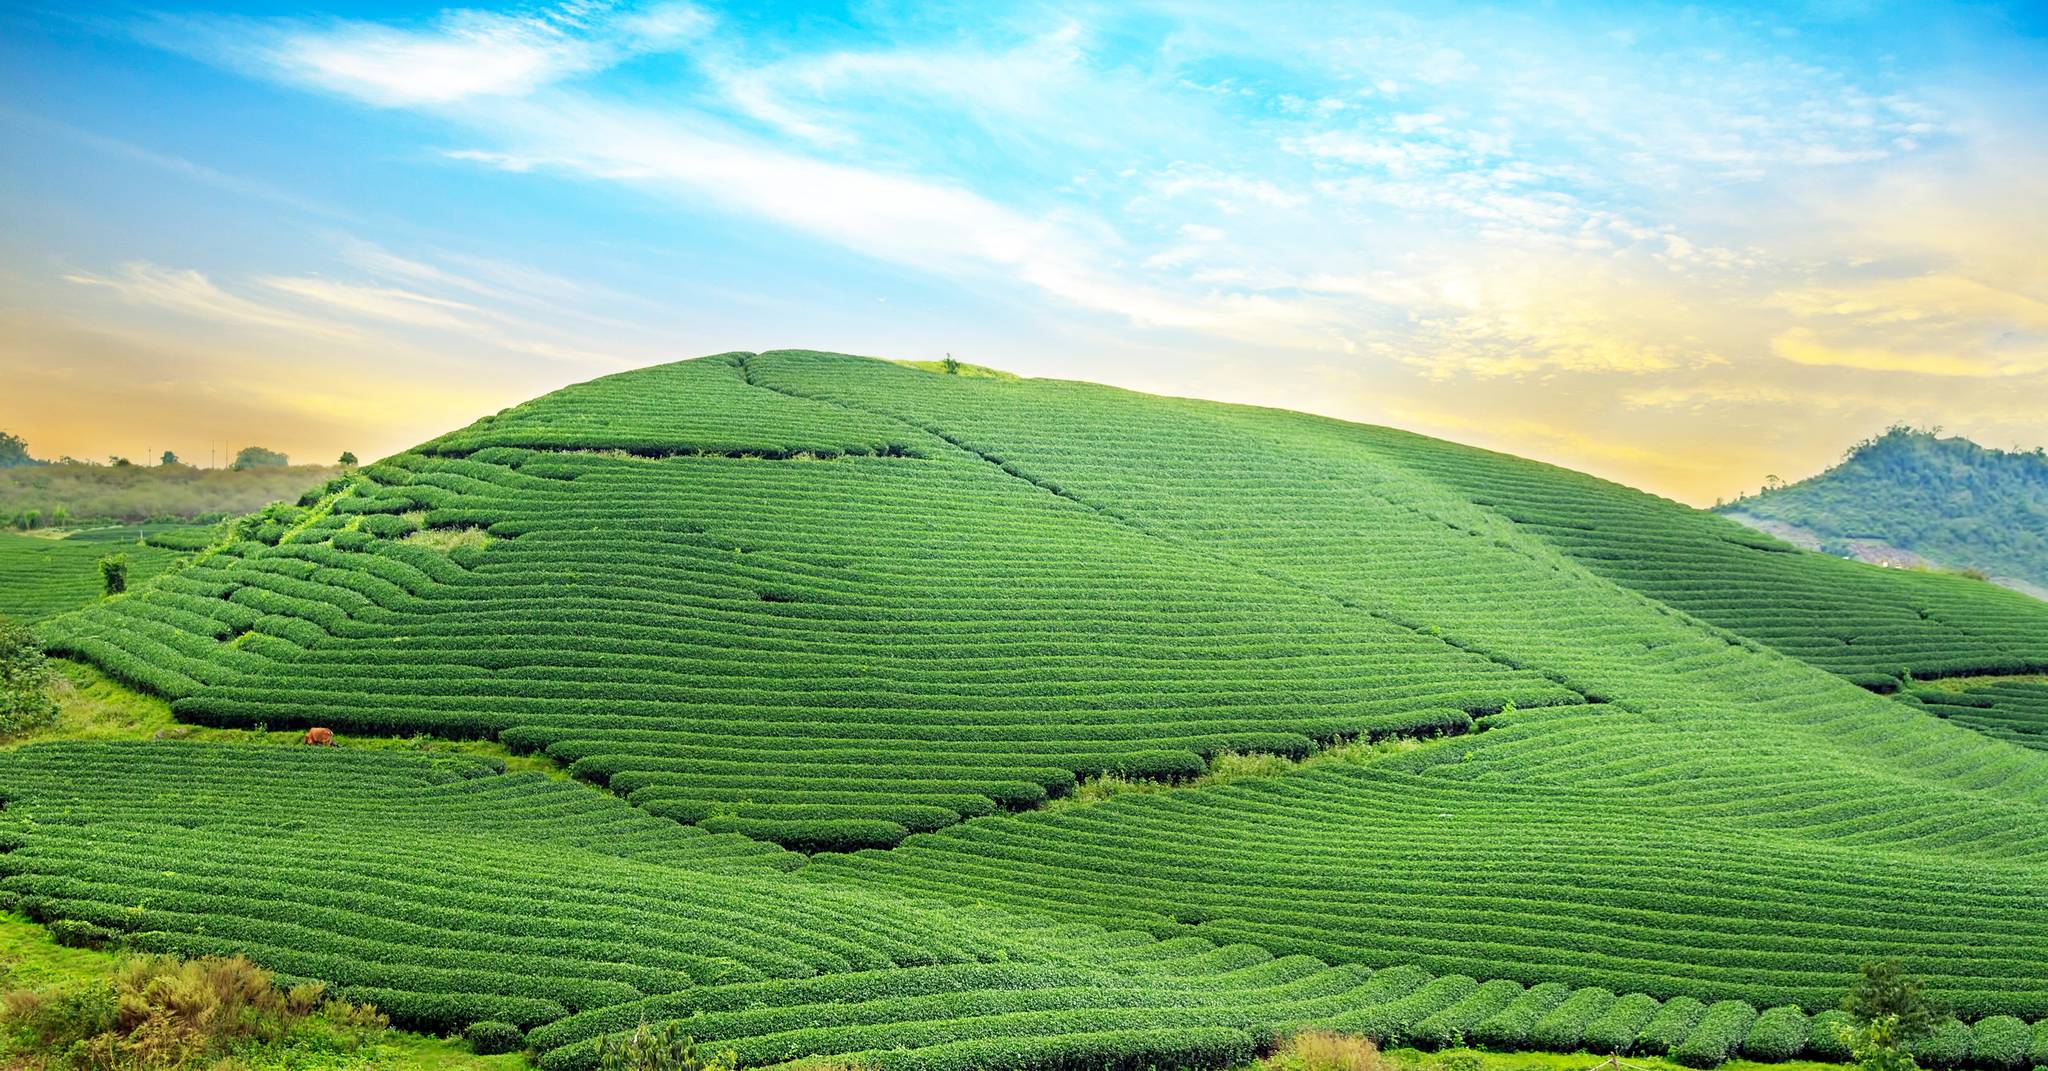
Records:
x=832, y=631
x=42, y=577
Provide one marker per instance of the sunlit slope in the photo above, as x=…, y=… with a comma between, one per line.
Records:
x=1872, y=625
x=826, y=601
x=746, y=620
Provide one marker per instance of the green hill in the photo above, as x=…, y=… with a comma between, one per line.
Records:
x=1949, y=501
x=804, y=601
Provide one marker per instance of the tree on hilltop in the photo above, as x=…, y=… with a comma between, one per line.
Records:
x=250, y=457
x=14, y=452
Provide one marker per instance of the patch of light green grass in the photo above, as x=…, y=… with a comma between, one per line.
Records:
x=1229, y=766
x=94, y=706
x=970, y=371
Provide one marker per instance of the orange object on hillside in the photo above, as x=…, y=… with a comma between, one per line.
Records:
x=319, y=737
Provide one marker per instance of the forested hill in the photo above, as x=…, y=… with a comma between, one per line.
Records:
x=1947, y=500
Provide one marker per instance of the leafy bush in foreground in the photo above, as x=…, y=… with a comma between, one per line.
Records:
x=1720, y=1030
x=1778, y=1034
x=489, y=1037
x=2000, y=1042
x=160, y=1012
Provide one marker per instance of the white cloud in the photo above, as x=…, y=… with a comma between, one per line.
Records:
x=191, y=294
x=462, y=54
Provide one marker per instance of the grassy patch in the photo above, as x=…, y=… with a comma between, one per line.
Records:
x=34, y=969
x=94, y=706
x=447, y=539
x=1965, y=684
x=970, y=371
x=1229, y=766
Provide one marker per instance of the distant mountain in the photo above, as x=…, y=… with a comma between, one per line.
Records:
x=1910, y=497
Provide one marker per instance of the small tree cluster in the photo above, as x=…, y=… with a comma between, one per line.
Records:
x=25, y=677
x=663, y=1048
x=1888, y=1013
x=250, y=457
x=114, y=573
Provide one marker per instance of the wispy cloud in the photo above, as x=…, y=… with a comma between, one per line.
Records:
x=191, y=294
x=461, y=54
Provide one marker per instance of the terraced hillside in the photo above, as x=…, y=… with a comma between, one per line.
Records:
x=41, y=577
x=849, y=607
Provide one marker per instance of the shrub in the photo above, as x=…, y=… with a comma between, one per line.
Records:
x=491, y=1037
x=1565, y=1026
x=72, y=933
x=1670, y=1026
x=1720, y=1030
x=1779, y=1034
x=1827, y=1036
x=656, y=1048
x=2000, y=1042
x=1946, y=1045
x=1509, y=1028
x=1321, y=1050
x=1457, y=1060
x=114, y=573
x=1616, y=1030
x=25, y=677
x=161, y=1012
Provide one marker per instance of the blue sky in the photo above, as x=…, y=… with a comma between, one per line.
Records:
x=1679, y=246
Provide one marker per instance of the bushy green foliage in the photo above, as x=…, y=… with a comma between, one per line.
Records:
x=1716, y=1036
x=252, y=457
x=1946, y=1044
x=1883, y=989
x=159, y=1014
x=1509, y=1028
x=113, y=573
x=1565, y=1026
x=1947, y=499
x=2000, y=1043
x=25, y=679
x=1616, y=1030
x=1778, y=1034
x=1828, y=1036
x=1673, y=1023
x=490, y=1037
x=14, y=452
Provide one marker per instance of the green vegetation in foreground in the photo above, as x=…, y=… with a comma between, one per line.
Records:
x=833, y=603
x=36, y=973
x=1946, y=499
